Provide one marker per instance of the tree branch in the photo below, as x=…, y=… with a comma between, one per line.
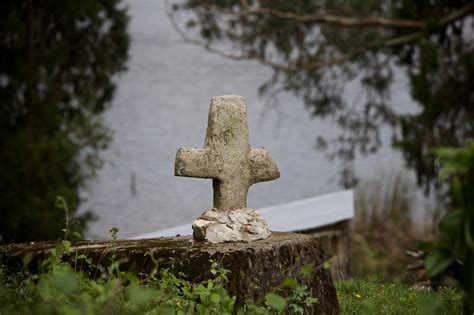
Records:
x=355, y=22
x=465, y=10
x=339, y=20
x=404, y=39
x=336, y=19
x=201, y=43
x=456, y=15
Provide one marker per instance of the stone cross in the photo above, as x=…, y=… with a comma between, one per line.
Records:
x=227, y=157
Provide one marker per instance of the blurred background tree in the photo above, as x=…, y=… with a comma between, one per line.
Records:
x=57, y=62
x=316, y=47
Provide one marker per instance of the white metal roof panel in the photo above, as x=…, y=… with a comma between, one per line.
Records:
x=299, y=215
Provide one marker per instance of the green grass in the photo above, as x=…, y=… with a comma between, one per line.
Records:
x=371, y=296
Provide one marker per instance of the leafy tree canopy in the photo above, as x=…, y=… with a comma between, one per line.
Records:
x=316, y=47
x=57, y=62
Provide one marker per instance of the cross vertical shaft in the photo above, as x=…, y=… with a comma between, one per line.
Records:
x=227, y=157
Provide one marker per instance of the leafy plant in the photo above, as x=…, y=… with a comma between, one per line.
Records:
x=68, y=230
x=373, y=296
x=455, y=244
x=61, y=288
x=298, y=297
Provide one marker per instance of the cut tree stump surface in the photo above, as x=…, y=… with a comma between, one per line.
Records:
x=255, y=267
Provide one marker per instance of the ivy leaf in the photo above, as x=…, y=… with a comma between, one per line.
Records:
x=437, y=263
x=140, y=295
x=451, y=222
x=290, y=283
x=62, y=281
x=453, y=160
x=307, y=270
x=275, y=301
x=215, y=298
x=310, y=301
x=456, y=189
x=468, y=232
x=66, y=246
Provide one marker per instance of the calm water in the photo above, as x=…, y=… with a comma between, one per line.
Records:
x=162, y=103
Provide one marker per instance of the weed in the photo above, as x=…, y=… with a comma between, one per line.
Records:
x=372, y=296
x=62, y=288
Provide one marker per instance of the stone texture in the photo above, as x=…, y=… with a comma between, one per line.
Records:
x=238, y=225
x=255, y=267
x=227, y=157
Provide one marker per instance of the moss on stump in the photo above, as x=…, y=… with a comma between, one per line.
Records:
x=255, y=267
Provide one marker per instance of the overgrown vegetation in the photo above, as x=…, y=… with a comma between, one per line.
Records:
x=59, y=288
x=371, y=296
x=454, y=247
x=384, y=228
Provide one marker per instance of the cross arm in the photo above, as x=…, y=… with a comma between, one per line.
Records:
x=262, y=166
x=194, y=163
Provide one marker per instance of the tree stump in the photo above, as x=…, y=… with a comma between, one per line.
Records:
x=255, y=267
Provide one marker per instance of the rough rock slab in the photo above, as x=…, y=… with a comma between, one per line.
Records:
x=216, y=226
x=266, y=262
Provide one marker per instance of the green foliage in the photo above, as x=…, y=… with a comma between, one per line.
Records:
x=455, y=244
x=62, y=288
x=275, y=301
x=57, y=62
x=370, y=296
x=315, y=47
x=183, y=297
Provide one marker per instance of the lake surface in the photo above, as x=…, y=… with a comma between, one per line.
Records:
x=162, y=104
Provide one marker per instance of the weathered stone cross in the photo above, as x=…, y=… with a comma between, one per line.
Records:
x=227, y=157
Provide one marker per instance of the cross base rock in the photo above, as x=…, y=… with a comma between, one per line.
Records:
x=244, y=225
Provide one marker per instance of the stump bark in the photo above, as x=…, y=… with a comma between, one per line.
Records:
x=255, y=267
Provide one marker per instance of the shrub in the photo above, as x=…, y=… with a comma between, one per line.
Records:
x=454, y=247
